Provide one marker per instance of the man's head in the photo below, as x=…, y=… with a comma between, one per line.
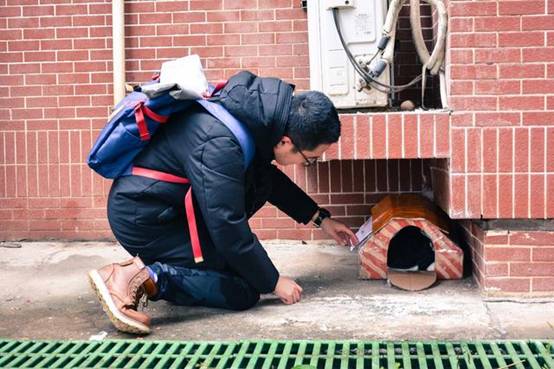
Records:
x=313, y=125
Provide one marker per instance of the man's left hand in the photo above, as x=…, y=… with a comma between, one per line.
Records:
x=340, y=232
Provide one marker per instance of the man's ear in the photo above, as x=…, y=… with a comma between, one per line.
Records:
x=285, y=140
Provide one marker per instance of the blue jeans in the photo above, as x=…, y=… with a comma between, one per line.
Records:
x=197, y=287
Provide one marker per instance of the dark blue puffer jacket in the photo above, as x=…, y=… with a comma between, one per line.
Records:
x=148, y=216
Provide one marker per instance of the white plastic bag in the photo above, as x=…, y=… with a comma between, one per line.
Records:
x=187, y=73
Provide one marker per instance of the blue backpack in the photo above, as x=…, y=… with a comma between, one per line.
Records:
x=137, y=117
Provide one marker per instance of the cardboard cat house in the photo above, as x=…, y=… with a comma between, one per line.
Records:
x=409, y=227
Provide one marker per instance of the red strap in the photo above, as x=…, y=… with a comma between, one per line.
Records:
x=140, y=111
x=191, y=217
x=161, y=176
x=218, y=86
x=141, y=123
x=152, y=115
x=189, y=205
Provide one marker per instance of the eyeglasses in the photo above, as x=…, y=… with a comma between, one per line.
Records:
x=308, y=162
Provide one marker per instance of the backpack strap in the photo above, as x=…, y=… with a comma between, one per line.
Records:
x=189, y=205
x=238, y=128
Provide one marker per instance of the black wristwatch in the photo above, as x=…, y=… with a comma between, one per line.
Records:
x=323, y=213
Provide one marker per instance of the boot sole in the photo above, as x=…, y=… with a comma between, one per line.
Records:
x=119, y=320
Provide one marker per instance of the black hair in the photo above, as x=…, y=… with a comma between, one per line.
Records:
x=313, y=120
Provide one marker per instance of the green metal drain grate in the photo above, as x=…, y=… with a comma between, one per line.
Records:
x=130, y=354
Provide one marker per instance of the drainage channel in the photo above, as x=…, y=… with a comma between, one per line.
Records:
x=266, y=354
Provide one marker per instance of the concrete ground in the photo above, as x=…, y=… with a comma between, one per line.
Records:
x=45, y=295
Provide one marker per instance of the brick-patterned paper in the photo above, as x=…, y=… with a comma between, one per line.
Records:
x=373, y=254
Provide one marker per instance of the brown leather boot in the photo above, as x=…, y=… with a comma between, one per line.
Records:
x=119, y=288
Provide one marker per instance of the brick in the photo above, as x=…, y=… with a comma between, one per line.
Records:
x=358, y=168
x=497, y=87
x=206, y=28
x=537, y=201
x=538, y=86
x=394, y=136
x=294, y=234
x=473, y=72
x=410, y=136
x=456, y=25
x=347, y=138
x=461, y=119
x=240, y=51
x=378, y=132
x=521, y=196
x=55, y=22
x=240, y=27
x=537, y=54
x=296, y=13
x=276, y=26
x=550, y=149
x=521, y=7
x=346, y=175
x=543, y=254
x=257, y=15
x=490, y=196
x=23, y=45
x=24, y=22
x=505, y=148
x=521, y=103
x=474, y=103
x=537, y=154
x=223, y=16
x=503, y=55
x=523, y=39
x=457, y=202
x=185, y=18
x=292, y=38
x=458, y=151
x=497, y=119
x=518, y=71
x=461, y=88
x=442, y=136
x=521, y=144
x=392, y=170
x=207, y=51
x=490, y=154
x=507, y=254
x=541, y=22
x=542, y=284
x=474, y=150
x=461, y=56
x=473, y=40
x=467, y=8
x=171, y=29
x=531, y=269
x=258, y=39
x=507, y=285
x=539, y=238
x=232, y=39
x=489, y=24
x=275, y=50
x=335, y=176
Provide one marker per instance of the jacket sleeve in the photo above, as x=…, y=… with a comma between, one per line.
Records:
x=290, y=198
x=217, y=177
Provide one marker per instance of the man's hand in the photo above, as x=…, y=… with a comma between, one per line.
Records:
x=340, y=232
x=288, y=290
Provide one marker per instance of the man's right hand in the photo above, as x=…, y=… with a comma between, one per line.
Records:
x=288, y=290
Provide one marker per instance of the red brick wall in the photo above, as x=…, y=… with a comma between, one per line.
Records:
x=56, y=93
x=512, y=261
x=500, y=66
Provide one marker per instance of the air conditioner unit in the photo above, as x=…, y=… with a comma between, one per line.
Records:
x=331, y=72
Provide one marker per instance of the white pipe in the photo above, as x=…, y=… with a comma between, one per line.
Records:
x=118, y=48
